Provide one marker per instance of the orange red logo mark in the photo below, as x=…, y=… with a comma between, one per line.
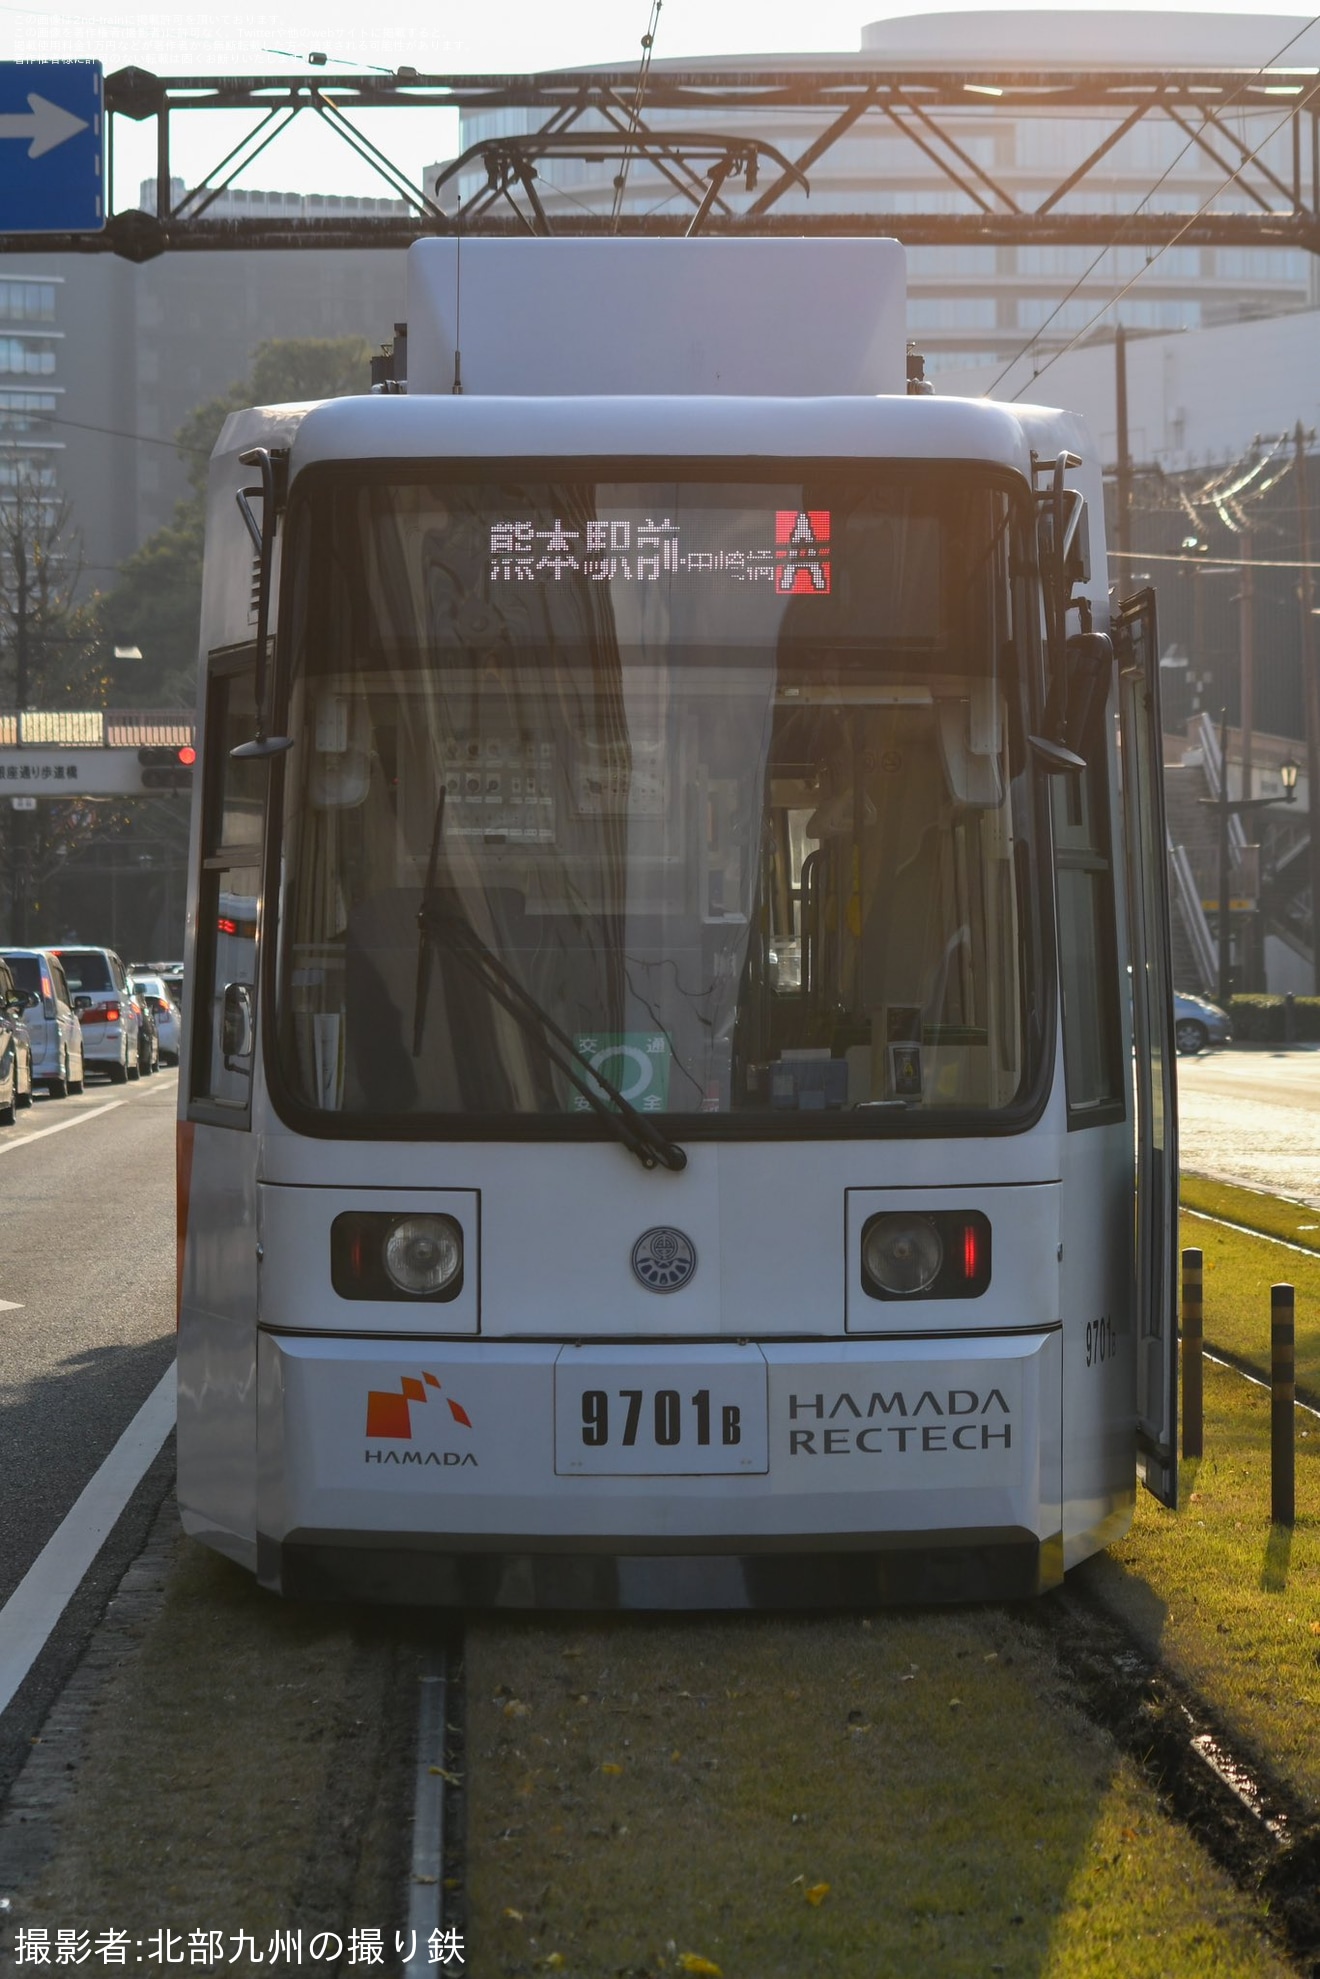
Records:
x=802, y=552
x=388, y=1413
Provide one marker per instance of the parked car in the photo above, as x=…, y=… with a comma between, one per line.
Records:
x=52, y=1022
x=169, y=973
x=1197, y=1023
x=154, y=992
x=14, y=1008
x=148, y=1038
x=98, y=982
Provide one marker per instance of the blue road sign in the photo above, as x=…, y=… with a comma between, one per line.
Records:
x=51, y=177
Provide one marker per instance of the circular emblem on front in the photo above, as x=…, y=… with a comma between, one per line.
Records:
x=663, y=1259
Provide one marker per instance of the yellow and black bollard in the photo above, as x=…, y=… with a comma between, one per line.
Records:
x=1192, y=1365
x=1282, y=1399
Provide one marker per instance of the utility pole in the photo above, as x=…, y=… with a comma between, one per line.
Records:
x=1123, y=488
x=1224, y=988
x=1247, y=722
x=1312, y=687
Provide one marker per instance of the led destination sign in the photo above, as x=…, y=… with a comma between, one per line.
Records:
x=788, y=549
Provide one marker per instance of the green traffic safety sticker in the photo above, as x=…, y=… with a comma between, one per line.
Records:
x=635, y=1062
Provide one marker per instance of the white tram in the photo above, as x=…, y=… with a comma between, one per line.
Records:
x=678, y=1108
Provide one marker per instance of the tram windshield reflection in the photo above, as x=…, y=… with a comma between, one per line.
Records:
x=730, y=777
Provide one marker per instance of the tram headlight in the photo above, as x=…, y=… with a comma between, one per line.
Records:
x=423, y=1255
x=902, y=1253
x=926, y=1254
x=378, y=1255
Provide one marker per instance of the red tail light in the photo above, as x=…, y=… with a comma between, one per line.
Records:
x=107, y=1014
x=970, y=1251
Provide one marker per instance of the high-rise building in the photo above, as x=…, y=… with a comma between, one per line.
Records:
x=31, y=381
x=979, y=305
x=99, y=384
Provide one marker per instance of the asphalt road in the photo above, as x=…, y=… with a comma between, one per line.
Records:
x=87, y=1266
x=1253, y=1117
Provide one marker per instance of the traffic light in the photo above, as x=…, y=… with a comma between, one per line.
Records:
x=167, y=769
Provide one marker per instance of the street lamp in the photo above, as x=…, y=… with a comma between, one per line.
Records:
x=1228, y=807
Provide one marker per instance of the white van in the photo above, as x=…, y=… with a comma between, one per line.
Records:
x=57, y=1041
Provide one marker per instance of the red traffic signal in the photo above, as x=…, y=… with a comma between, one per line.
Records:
x=167, y=769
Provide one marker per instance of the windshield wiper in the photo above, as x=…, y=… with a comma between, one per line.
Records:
x=437, y=924
x=422, y=984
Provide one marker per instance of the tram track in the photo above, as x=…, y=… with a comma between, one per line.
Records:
x=436, y=1912
x=398, y=1748
x=1250, y=1821
x=1248, y=1230
x=1238, y=1810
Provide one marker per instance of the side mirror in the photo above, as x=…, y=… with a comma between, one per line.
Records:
x=29, y=998
x=82, y=1002
x=237, y=1033
x=1088, y=669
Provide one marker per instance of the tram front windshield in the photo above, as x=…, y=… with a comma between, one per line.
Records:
x=718, y=789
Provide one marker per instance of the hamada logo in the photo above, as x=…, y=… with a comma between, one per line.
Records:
x=802, y=552
x=389, y=1414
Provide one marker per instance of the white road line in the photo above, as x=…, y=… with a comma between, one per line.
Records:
x=1255, y=1379
x=76, y=1120
x=36, y=1604
x=11, y=1305
x=1284, y=1243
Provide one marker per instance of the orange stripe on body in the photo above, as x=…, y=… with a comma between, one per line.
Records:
x=183, y=1166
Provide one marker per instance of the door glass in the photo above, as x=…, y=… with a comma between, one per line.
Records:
x=229, y=900
x=1152, y=1025
x=1088, y=961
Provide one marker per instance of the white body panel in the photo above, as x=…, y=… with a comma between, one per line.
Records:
x=275, y=1369
x=876, y=1438
x=593, y=317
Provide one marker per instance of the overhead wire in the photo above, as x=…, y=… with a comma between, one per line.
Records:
x=1118, y=295
x=1213, y=563
x=1117, y=241
x=635, y=114
x=89, y=426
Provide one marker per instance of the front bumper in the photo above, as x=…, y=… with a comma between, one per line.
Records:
x=888, y=1471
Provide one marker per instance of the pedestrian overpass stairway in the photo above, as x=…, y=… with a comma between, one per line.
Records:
x=1193, y=874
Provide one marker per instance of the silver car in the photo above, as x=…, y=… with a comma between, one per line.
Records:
x=166, y=1012
x=98, y=982
x=52, y=1022
x=1197, y=1023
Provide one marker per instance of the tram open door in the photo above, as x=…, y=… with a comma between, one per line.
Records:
x=1147, y=874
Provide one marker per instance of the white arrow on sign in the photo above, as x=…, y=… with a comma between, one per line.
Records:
x=46, y=124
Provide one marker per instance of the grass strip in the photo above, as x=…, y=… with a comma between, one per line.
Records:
x=1238, y=1272
x=765, y=1797
x=1254, y=1209
x=1229, y=1601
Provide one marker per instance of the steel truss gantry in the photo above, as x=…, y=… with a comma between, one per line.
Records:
x=702, y=130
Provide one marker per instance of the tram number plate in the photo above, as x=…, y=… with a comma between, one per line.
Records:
x=616, y=1419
